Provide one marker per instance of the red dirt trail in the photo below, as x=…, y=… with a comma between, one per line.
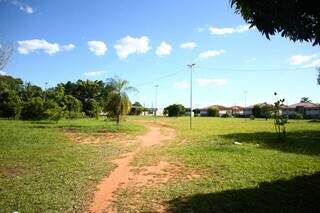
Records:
x=122, y=175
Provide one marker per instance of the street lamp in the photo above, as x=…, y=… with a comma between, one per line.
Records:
x=191, y=66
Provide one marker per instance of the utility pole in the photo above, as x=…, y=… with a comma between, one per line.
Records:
x=156, y=102
x=45, y=91
x=191, y=66
x=245, y=104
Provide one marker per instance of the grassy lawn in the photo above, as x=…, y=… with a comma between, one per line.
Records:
x=42, y=171
x=261, y=175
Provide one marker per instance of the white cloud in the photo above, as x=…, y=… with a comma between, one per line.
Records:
x=33, y=45
x=164, y=49
x=67, y=47
x=188, y=45
x=3, y=72
x=130, y=45
x=182, y=85
x=211, y=53
x=94, y=73
x=250, y=60
x=97, y=47
x=300, y=59
x=229, y=30
x=211, y=82
x=22, y=6
x=315, y=63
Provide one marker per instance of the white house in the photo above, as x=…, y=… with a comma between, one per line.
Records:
x=308, y=110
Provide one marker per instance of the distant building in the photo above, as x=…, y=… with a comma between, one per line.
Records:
x=233, y=110
x=308, y=110
x=247, y=111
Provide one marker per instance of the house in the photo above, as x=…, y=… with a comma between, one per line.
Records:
x=247, y=111
x=222, y=110
x=237, y=110
x=307, y=110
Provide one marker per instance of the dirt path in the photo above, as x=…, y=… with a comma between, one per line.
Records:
x=123, y=174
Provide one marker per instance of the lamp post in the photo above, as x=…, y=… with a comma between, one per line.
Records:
x=156, y=102
x=191, y=66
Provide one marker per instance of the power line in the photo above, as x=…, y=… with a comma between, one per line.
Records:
x=160, y=78
x=228, y=69
x=252, y=70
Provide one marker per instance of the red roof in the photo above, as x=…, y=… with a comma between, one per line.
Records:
x=220, y=107
x=304, y=105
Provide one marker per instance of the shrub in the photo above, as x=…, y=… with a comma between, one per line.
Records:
x=213, y=112
x=227, y=115
x=10, y=104
x=33, y=109
x=252, y=117
x=175, y=110
x=296, y=115
x=256, y=111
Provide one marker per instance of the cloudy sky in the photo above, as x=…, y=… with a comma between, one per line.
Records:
x=150, y=43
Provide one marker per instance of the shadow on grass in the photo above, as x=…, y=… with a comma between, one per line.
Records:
x=300, y=194
x=301, y=142
x=314, y=121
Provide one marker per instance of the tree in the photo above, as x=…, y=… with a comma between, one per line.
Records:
x=305, y=100
x=118, y=103
x=213, y=112
x=280, y=120
x=298, y=20
x=33, y=109
x=72, y=106
x=136, y=109
x=175, y=110
x=10, y=104
x=266, y=111
x=256, y=111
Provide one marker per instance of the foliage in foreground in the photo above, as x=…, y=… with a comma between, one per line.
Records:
x=297, y=20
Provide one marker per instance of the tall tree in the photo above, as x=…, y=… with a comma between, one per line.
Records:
x=305, y=100
x=118, y=103
x=299, y=20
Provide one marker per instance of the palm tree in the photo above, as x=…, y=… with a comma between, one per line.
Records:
x=118, y=103
x=305, y=100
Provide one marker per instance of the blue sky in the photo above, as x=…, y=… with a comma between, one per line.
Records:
x=144, y=41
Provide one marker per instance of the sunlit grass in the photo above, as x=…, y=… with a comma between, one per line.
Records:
x=226, y=168
x=42, y=171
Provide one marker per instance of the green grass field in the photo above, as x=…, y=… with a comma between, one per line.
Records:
x=261, y=175
x=42, y=171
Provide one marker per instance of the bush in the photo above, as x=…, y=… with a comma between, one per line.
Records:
x=33, y=109
x=227, y=115
x=296, y=115
x=175, y=110
x=252, y=117
x=256, y=111
x=10, y=104
x=213, y=112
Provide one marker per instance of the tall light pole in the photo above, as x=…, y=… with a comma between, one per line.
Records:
x=191, y=66
x=156, y=102
x=245, y=104
x=45, y=91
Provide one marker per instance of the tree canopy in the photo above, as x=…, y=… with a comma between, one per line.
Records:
x=175, y=110
x=298, y=20
x=117, y=102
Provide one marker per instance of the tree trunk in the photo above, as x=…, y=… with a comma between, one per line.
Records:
x=118, y=119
